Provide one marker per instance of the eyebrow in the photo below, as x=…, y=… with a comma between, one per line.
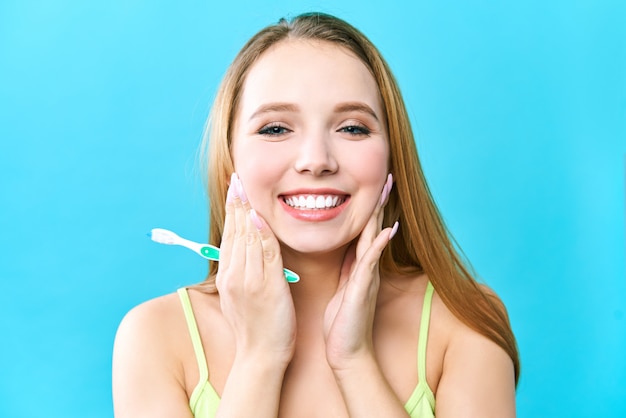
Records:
x=355, y=107
x=290, y=107
x=274, y=107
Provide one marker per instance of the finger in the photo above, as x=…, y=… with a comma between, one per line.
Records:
x=272, y=259
x=254, y=268
x=238, y=247
x=241, y=193
x=348, y=262
x=229, y=227
x=369, y=233
x=375, y=222
x=369, y=261
x=384, y=198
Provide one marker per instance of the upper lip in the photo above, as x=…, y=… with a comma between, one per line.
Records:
x=314, y=191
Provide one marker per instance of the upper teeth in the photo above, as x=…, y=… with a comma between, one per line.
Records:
x=313, y=202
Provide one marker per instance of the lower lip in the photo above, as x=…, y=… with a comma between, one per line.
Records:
x=314, y=215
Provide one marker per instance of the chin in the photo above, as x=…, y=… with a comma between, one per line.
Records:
x=316, y=247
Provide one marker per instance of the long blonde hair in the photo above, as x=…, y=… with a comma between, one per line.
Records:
x=423, y=243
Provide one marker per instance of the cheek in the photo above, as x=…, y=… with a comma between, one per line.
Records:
x=259, y=168
x=369, y=163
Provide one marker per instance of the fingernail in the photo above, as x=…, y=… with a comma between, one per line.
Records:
x=386, y=189
x=390, y=182
x=230, y=193
x=394, y=230
x=233, y=188
x=242, y=192
x=255, y=219
x=383, y=195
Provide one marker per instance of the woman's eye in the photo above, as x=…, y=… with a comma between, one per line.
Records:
x=273, y=130
x=355, y=130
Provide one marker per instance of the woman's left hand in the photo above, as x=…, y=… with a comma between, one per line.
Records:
x=349, y=316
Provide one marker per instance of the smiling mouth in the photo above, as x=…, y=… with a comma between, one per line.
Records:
x=313, y=202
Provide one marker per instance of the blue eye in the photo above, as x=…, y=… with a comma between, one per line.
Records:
x=355, y=130
x=273, y=130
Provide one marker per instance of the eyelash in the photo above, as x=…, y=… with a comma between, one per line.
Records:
x=356, y=130
x=270, y=130
x=276, y=129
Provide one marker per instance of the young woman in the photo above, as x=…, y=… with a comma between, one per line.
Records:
x=312, y=167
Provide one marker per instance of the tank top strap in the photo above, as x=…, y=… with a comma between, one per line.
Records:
x=423, y=335
x=194, y=333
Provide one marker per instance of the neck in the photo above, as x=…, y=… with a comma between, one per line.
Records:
x=319, y=275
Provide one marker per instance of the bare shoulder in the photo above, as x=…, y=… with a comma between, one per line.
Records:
x=147, y=367
x=152, y=323
x=477, y=378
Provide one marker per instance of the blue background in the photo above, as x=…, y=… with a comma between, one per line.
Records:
x=520, y=114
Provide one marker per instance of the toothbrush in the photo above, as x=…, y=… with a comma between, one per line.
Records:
x=210, y=252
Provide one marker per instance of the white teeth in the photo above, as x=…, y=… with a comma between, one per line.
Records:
x=314, y=201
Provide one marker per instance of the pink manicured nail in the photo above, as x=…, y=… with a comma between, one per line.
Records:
x=389, y=184
x=394, y=230
x=386, y=189
x=383, y=195
x=390, y=181
x=242, y=193
x=233, y=189
x=255, y=219
x=230, y=193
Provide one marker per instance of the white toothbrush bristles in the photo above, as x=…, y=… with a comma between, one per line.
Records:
x=163, y=236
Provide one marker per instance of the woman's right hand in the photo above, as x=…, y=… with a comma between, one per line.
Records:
x=254, y=295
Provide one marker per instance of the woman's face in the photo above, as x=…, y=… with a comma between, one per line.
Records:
x=310, y=144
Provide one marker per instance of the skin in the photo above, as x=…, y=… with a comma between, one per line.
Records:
x=341, y=342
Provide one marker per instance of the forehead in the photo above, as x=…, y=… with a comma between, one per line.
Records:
x=319, y=71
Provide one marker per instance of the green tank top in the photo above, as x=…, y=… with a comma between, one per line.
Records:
x=204, y=399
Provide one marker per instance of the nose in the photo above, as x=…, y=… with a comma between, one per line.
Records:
x=316, y=156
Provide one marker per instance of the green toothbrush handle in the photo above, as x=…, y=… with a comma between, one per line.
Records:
x=291, y=276
x=213, y=253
